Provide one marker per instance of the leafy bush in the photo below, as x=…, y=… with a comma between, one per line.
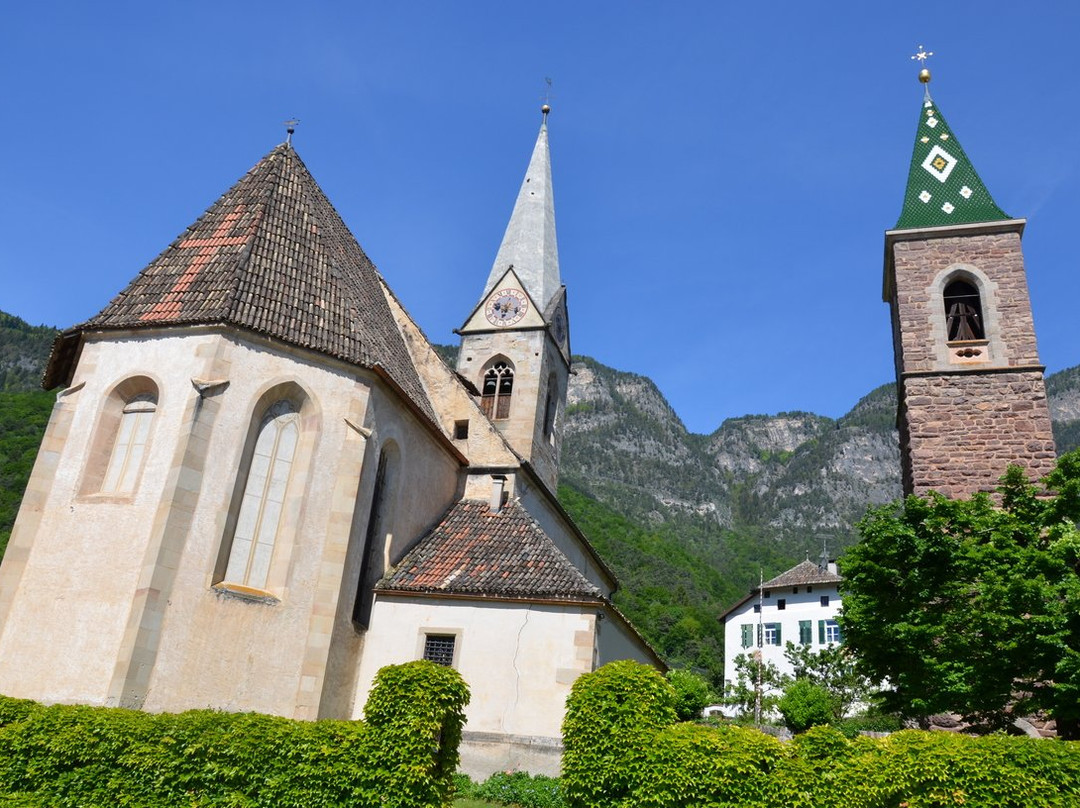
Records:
x=404, y=755
x=612, y=714
x=521, y=789
x=804, y=705
x=666, y=763
x=692, y=693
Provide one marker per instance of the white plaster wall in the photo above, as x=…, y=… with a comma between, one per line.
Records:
x=63, y=634
x=802, y=606
x=519, y=660
x=616, y=641
x=242, y=655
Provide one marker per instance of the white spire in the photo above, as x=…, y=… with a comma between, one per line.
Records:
x=529, y=242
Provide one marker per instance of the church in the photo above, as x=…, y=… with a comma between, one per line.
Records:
x=260, y=483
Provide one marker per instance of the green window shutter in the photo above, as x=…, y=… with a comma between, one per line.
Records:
x=747, y=635
x=821, y=631
x=779, y=639
x=805, y=632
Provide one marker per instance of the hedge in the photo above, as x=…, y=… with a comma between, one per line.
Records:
x=652, y=761
x=403, y=754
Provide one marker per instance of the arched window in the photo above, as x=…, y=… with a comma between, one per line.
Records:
x=497, y=389
x=963, y=312
x=551, y=406
x=259, y=516
x=377, y=536
x=129, y=447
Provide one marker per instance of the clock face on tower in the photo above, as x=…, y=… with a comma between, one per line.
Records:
x=506, y=307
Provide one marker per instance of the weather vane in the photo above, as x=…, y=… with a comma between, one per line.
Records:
x=546, y=108
x=290, y=127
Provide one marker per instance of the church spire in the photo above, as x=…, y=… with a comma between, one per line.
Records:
x=943, y=187
x=529, y=243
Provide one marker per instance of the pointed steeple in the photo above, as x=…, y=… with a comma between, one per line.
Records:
x=943, y=187
x=529, y=243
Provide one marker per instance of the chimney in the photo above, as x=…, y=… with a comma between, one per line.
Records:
x=498, y=482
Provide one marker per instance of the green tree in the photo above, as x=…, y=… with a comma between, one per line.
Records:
x=970, y=606
x=834, y=668
x=806, y=704
x=751, y=675
x=693, y=693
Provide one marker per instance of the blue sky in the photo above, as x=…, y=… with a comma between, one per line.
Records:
x=724, y=172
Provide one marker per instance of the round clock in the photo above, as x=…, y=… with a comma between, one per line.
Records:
x=506, y=307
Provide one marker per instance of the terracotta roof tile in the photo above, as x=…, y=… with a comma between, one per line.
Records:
x=273, y=256
x=475, y=552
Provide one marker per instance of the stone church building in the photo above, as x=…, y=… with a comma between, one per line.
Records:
x=260, y=484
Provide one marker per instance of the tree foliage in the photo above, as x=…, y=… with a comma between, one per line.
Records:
x=834, y=668
x=692, y=693
x=806, y=704
x=751, y=675
x=972, y=607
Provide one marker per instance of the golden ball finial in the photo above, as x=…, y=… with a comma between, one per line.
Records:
x=545, y=109
x=924, y=76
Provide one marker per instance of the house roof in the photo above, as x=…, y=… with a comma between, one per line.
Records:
x=804, y=574
x=271, y=256
x=943, y=187
x=475, y=552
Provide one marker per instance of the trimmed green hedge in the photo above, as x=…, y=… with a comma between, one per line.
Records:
x=404, y=754
x=651, y=761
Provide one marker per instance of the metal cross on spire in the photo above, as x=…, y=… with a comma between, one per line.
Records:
x=290, y=127
x=546, y=108
x=924, y=73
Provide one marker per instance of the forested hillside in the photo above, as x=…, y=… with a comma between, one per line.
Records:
x=687, y=521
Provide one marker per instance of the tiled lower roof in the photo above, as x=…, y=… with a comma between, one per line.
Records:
x=479, y=553
x=272, y=256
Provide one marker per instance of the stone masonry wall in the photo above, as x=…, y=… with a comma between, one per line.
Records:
x=918, y=307
x=967, y=410
x=963, y=430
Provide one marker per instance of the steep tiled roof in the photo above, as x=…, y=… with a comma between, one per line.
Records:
x=272, y=256
x=476, y=552
x=806, y=573
x=943, y=187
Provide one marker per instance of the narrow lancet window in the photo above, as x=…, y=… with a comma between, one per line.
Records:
x=963, y=312
x=498, y=387
x=130, y=445
x=264, y=496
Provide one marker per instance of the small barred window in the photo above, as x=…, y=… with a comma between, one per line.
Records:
x=439, y=648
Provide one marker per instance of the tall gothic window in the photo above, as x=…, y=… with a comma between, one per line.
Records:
x=963, y=312
x=497, y=389
x=264, y=496
x=379, y=533
x=129, y=448
x=551, y=406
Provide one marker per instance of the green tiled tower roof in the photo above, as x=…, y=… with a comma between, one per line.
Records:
x=943, y=187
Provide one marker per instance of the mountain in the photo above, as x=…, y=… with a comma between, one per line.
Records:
x=688, y=522
x=23, y=351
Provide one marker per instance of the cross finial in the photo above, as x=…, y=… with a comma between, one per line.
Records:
x=924, y=73
x=546, y=108
x=290, y=127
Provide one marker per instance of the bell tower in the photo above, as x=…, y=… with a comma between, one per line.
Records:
x=969, y=382
x=515, y=345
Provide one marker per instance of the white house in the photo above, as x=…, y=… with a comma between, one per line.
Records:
x=798, y=606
